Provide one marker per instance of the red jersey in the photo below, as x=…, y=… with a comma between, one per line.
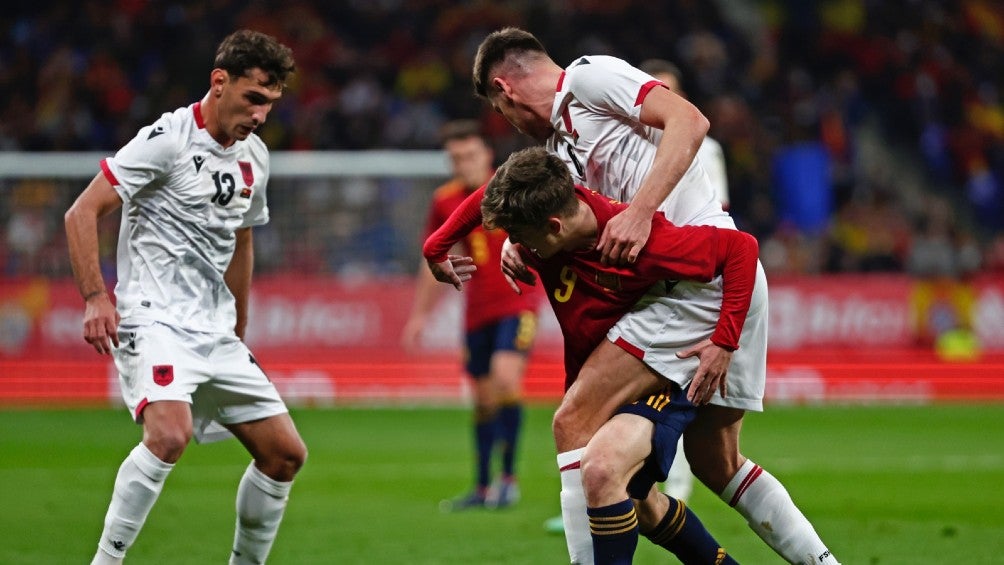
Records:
x=488, y=295
x=588, y=297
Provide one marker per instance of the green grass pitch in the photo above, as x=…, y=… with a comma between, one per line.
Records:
x=882, y=485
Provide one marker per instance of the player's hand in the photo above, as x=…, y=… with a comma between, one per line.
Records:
x=513, y=267
x=711, y=371
x=624, y=237
x=456, y=270
x=101, y=323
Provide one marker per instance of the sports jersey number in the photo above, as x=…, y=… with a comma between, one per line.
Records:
x=479, y=247
x=223, y=181
x=575, y=162
x=568, y=278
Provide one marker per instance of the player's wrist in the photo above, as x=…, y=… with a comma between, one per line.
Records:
x=88, y=296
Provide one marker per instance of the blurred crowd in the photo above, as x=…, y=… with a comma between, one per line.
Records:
x=859, y=136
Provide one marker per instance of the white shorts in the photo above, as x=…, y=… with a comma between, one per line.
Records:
x=663, y=324
x=215, y=373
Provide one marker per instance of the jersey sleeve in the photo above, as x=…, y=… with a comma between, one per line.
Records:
x=461, y=222
x=610, y=86
x=258, y=213
x=701, y=253
x=144, y=159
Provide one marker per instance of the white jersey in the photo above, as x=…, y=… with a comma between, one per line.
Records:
x=599, y=135
x=713, y=160
x=183, y=195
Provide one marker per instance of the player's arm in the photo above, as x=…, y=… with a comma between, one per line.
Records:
x=453, y=269
x=238, y=276
x=427, y=291
x=684, y=128
x=699, y=253
x=81, y=223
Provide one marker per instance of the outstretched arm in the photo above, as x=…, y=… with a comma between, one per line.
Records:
x=436, y=249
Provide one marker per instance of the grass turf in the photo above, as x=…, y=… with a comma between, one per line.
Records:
x=882, y=485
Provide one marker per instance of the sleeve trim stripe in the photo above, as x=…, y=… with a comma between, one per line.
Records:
x=645, y=89
x=107, y=171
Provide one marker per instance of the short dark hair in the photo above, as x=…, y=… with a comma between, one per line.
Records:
x=530, y=187
x=656, y=66
x=461, y=129
x=245, y=49
x=495, y=48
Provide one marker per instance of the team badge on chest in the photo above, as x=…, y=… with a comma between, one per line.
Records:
x=248, y=175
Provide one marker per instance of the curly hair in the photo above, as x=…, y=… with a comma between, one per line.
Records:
x=246, y=49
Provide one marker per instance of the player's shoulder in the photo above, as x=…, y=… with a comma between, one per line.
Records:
x=592, y=70
x=167, y=130
x=450, y=190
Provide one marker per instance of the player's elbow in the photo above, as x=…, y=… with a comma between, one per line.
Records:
x=699, y=124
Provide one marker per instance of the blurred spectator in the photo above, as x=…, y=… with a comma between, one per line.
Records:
x=774, y=77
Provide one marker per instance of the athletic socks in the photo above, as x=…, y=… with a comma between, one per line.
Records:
x=682, y=533
x=510, y=419
x=770, y=512
x=485, y=433
x=573, y=508
x=137, y=486
x=261, y=502
x=614, y=530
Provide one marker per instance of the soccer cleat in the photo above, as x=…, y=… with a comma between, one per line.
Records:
x=554, y=525
x=475, y=499
x=503, y=494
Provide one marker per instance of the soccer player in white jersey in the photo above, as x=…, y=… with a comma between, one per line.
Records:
x=192, y=185
x=605, y=119
x=680, y=482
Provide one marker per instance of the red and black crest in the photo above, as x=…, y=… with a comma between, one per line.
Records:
x=246, y=172
x=163, y=374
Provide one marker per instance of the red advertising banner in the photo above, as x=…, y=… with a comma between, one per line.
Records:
x=324, y=340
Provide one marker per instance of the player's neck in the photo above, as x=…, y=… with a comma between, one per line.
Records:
x=582, y=228
x=211, y=117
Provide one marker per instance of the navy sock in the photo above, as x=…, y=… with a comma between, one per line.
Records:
x=485, y=433
x=683, y=534
x=615, y=533
x=510, y=420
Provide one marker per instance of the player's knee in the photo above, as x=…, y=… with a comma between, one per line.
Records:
x=167, y=444
x=286, y=461
x=567, y=432
x=600, y=474
x=713, y=467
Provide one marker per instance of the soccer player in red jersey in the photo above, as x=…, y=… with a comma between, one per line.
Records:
x=499, y=325
x=621, y=132
x=557, y=224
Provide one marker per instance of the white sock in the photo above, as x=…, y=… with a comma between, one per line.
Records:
x=680, y=481
x=573, y=508
x=261, y=502
x=771, y=513
x=137, y=486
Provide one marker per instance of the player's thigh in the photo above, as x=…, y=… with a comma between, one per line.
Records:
x=274, y=443
x=711, y=443
x=507, y=368
x=610, y=378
